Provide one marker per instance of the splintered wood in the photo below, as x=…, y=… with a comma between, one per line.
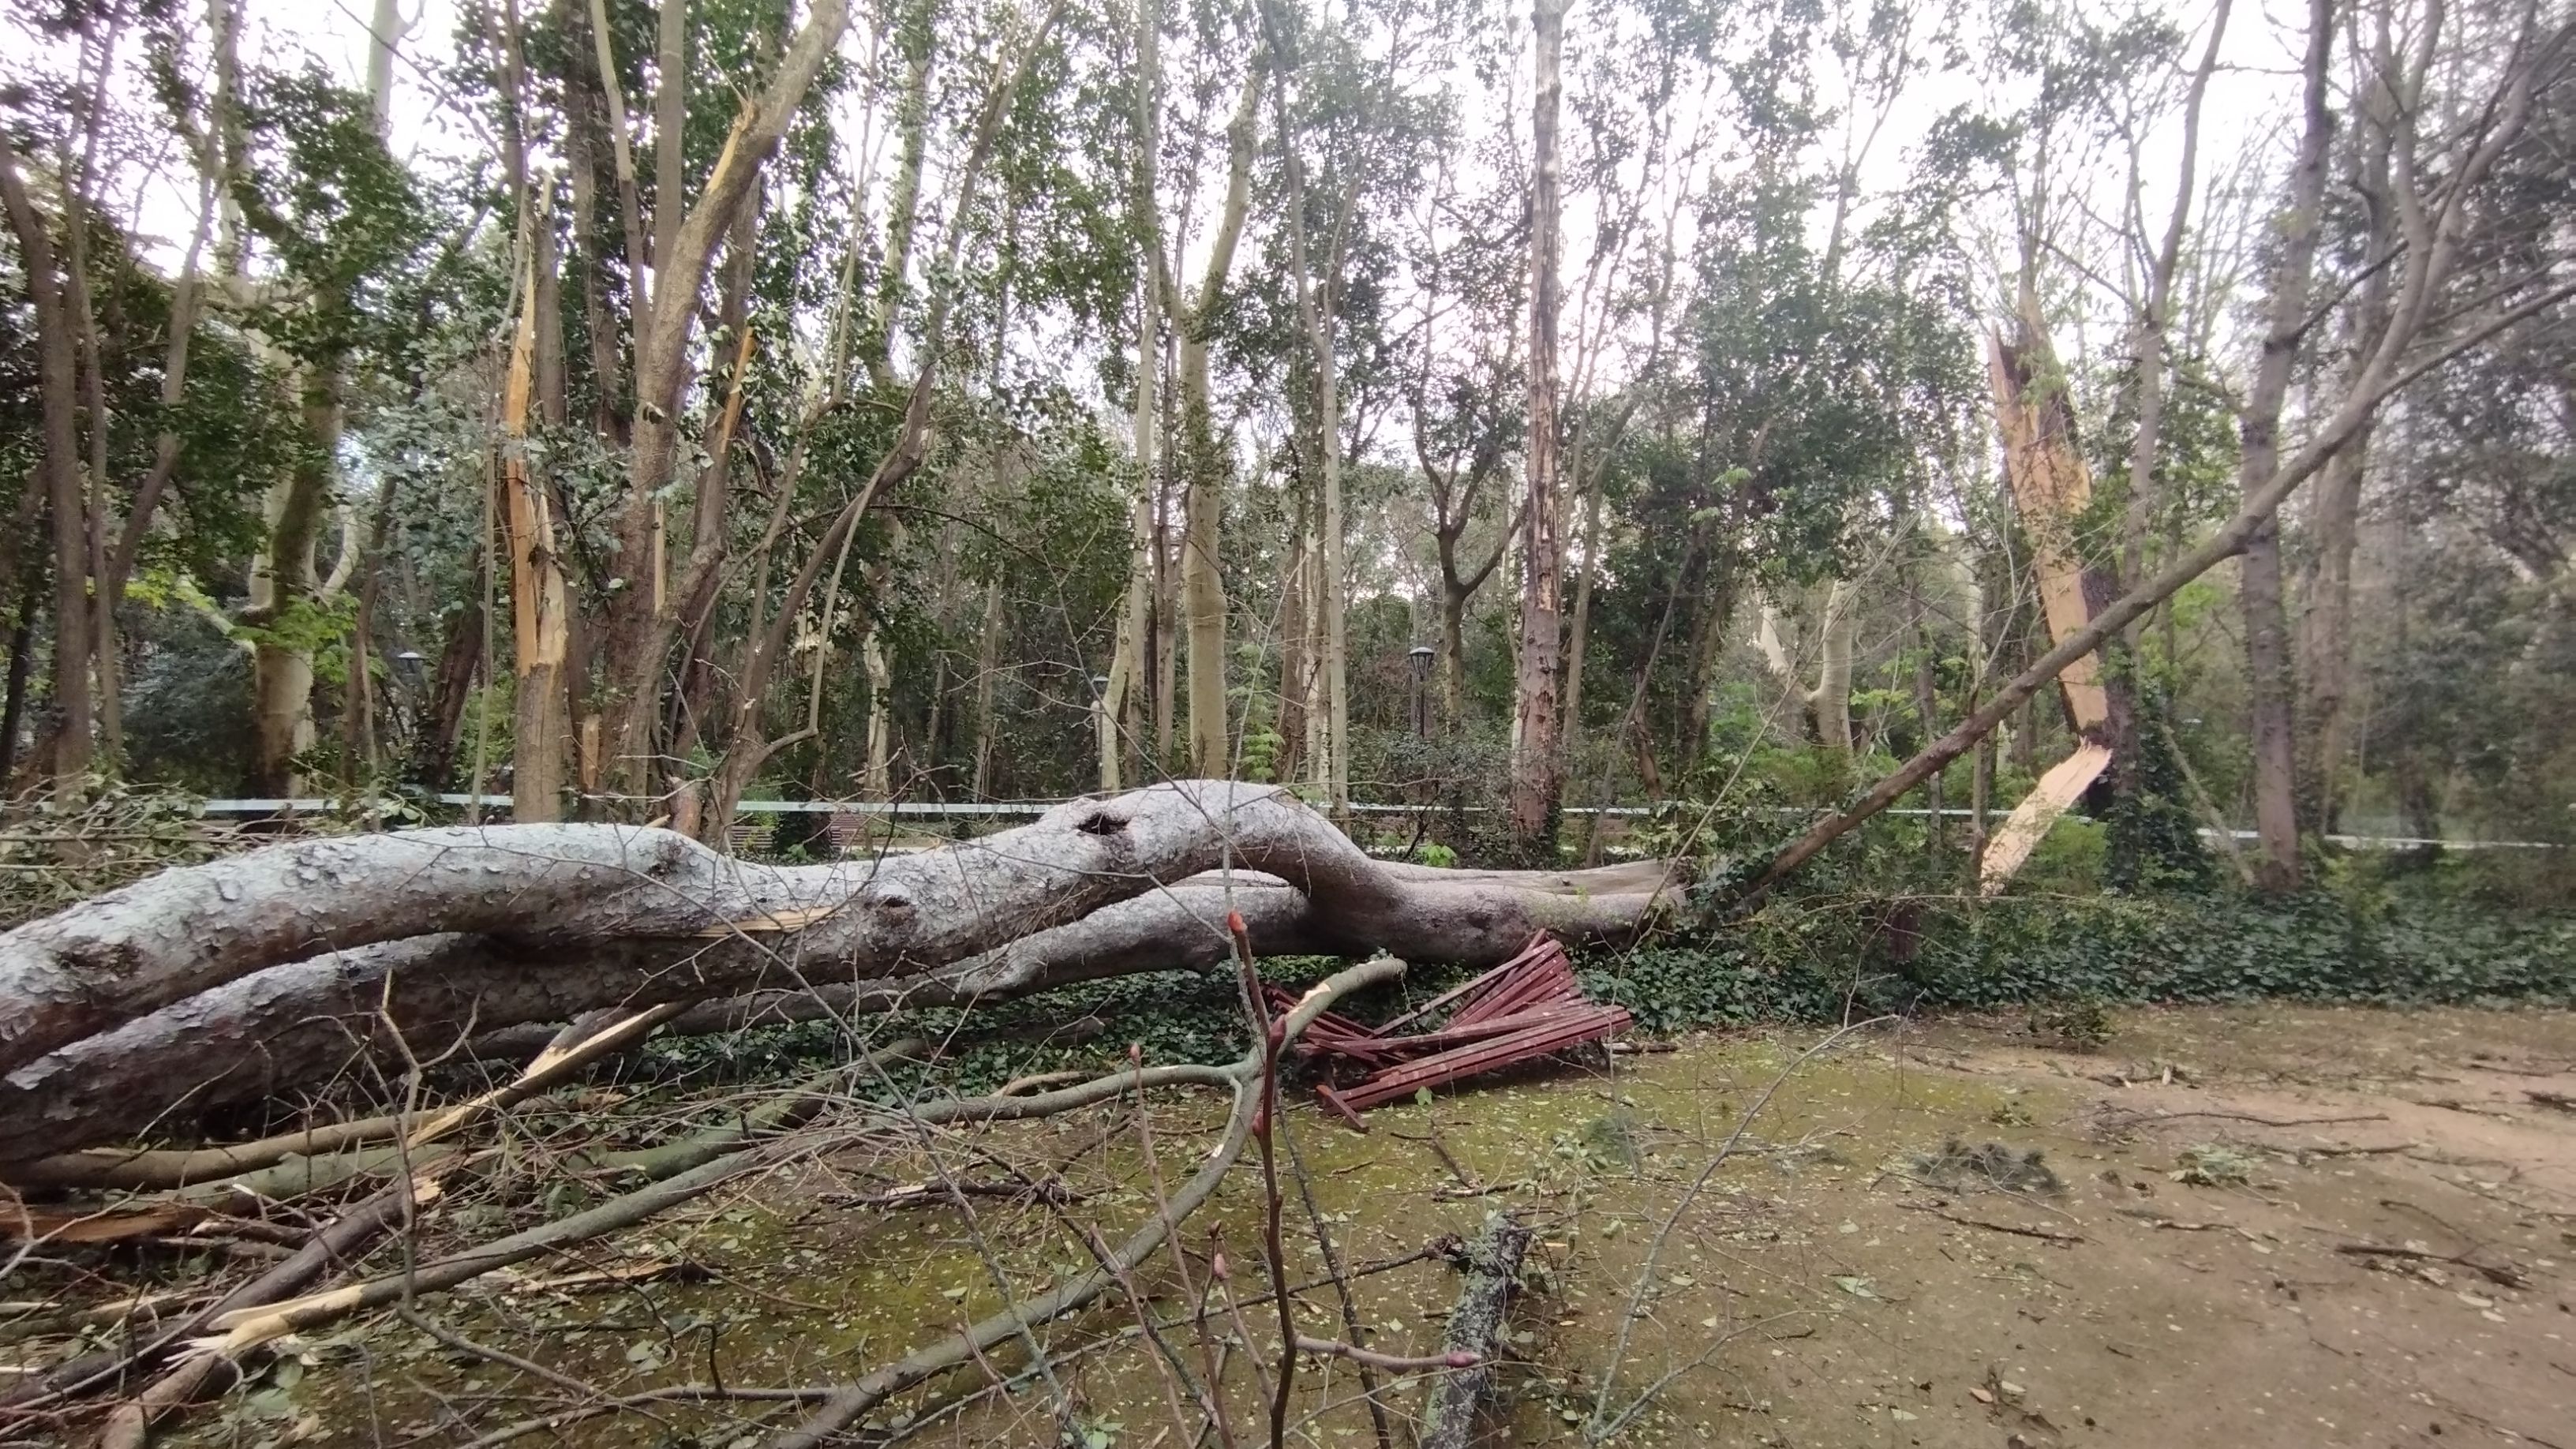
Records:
x=1527, y=1007
x=2050, y=487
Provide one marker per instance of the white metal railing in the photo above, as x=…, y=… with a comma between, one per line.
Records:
x=1029, y=809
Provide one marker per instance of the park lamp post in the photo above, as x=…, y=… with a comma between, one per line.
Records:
x=1420, y=654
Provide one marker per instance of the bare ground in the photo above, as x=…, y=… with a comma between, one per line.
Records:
x=1842, y=1280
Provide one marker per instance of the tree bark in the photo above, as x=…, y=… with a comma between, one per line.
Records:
x=2258, y=586
x=59, y=462
x=1476, y=1329
x=1537, y=722
x=539, y=610
x=1203, y=461
x=213, y=982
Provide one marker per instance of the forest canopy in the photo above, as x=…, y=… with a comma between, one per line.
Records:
x=640, y=411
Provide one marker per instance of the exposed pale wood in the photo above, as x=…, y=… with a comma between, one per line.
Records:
x=2030, y=820
x=2050, y=486
x=540, y=613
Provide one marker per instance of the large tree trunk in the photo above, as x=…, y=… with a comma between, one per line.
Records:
x=540, y=734
x=2326, y=662
x=2258, y=586
x=1834, y=637
x=60, y=464
x=211, y=982
x=1537, y=722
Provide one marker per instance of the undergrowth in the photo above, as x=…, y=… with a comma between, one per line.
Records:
x=1826, y=959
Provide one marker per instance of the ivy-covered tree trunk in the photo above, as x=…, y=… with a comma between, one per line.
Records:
x=286, y=596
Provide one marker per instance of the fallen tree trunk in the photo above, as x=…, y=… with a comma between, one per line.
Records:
x=243, y=977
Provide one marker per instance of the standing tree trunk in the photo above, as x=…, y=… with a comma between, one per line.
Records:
x=1537, y=724
x=1834, y=636
x=60, y=465
x=1203, y=461
x=643, y=620
x=988, y=661
x=540, y=728
x=1329, y=727
x=2267, y=630
x=2326, y=668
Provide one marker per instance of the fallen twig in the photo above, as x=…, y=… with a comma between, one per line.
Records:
x=2136, y=1118
x=2504, y=1277
x=1391, y=1362
x=1935, y=1209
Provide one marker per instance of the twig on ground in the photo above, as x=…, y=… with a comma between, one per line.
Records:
x=1937, y=1210
x=1391, y=1362
x=674, y=1394
x=2504, y=1277
x=2137, y=1118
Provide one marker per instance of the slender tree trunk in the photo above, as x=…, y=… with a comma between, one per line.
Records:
x=22, y=659
x=1204, y=463
x=1578, y=636
x=1453, y=653
x=57, y=386
x=1132, y=663
x=880, y=673
x=1711, y=611
x=1293, y=649
x=2326, y=669
x=105, y=654
x=443, y=717
x=2259, y=592
x=1316, y=301
x=988, y=664
x=1537, y=720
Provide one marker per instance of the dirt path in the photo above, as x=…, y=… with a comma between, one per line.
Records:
x=2231, y=1306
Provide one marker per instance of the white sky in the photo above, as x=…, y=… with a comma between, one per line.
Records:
x=2244, y=119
